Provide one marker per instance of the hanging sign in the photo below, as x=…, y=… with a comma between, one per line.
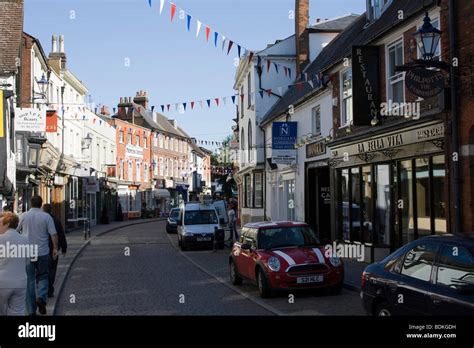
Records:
x=284, y=136
x=51, y=122
x=424, y=83
x=30, y=120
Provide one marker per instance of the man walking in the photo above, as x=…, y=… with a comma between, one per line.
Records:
x=53, y=263
x=38, y=226
x=232, y=224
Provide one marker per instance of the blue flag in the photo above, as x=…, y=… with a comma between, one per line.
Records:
x=149, y=2
x=216, y=35
x=189, y=22
x=233, y=99
x=208, y=102
x=162, y=108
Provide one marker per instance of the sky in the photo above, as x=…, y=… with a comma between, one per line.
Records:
x=164, y=59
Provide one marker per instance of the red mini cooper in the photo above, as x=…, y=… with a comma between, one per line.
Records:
x=283, y=256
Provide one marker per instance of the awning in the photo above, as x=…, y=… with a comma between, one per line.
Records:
x=161, y=193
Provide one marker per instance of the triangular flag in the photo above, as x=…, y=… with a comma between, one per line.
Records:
x=261, y=94
x=276, y=67
x=149, y=2
x=233, y=99
x=168, y=107
x=162, y=4
x=225, y=100
x=230, y=46
x=239, y=50
x=198, y=28
x=223, y=42
x=184, y=106
x=208, y=31
x=162, y=108
x=268, y=65
x=286, y=70
x=311, y=84
x=269, y=92
x=289, y=73
x=250, y=56
x=173, y=10
x=200, y=103
x=242, y=98
x=192, y=105
x=189, y=22
x=152, y=108
x=208, y=102
x=216, y=35
x=217, y=101
x=259, y=60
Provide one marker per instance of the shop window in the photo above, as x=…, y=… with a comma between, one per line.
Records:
x=290, y=202
x=367, y=204
x=439, y=198
x=383, y=204
x=423, y=210
x=396, y=90
x=405, y=202
x=345, y=204
x=248, y=192
x=258, y=190
x=355, y=212
x=418, y=262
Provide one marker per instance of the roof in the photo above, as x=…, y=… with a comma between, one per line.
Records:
x=38, y=43
x=11, y=29
x=158, y=121
x=269, y=224
x=359, y=32
x=335, y=24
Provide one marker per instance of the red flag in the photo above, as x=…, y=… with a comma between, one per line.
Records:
x=269, y=63
x=269, y=92
x=208, y=31
x=250, y=57
x=217, y=101
x=173, y=11
x=192, y=105
x=230, y=46
x=286, y=71
x=242, y=98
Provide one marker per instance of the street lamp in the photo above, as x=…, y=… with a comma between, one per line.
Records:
x=86, y=142
x=427, y=38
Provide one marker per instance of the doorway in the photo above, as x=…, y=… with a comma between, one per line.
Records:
x=318, y=199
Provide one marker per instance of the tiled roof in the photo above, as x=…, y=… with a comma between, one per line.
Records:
x=358, y=33
x=11, y=29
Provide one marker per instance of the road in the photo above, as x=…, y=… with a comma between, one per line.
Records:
x=140, y=271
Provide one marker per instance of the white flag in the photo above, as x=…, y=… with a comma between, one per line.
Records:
x=162, y=3
x=198, y=28
x=200, y=103
x=225, y=100
x=223, y=42
x=311, y=83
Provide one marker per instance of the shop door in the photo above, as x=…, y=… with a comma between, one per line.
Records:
x=319, y=201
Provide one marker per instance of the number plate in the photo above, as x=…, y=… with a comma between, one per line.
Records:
x=311, y=279
x=203, y=239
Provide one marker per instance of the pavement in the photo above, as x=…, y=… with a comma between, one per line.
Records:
x=101, y=281
x=76, y=244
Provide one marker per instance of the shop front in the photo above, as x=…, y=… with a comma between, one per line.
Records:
x=390, y=189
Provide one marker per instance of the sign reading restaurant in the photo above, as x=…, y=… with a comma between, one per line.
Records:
x=392, y=140
x=133, y=151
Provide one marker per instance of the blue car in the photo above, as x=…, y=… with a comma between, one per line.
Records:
x=431, y=276
x=171, y=223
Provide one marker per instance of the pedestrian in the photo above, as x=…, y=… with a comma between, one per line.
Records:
x=12, y=267
x=38, y=226
x=62, y=245
x=232, y=224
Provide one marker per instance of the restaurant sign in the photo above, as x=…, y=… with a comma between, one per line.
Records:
x=392, y=140
x=424, y=83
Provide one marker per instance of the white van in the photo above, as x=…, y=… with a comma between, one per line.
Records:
x=199, y=225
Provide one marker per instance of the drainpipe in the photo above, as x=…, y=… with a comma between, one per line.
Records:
x=264, y=175
x=455, y=177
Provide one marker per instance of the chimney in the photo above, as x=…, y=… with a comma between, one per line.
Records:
x=141, y=99
x=301, y=34
x=54, y=46
x=61, y=43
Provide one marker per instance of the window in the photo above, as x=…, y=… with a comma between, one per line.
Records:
x=167, y=168
x=155, y=140
x=316, y=120
x=176, y=169
x=396, y=93
x=145, y=172
x=346, y=87
x=287, y=236
x=455, y=266
x=249, y=91
x=139, y=172
x=121, y=137
x=122, y=170
x=248, y=192
x=130, y=171
x=258, y=190
x=376, y=8
x=249, y=140
x=162, y=168
x=241, y=101
x=145, y=142
x=200, y=217
x=130, y=138
x=171, y=173
x=155, y=167
x=160, y=140
x=20, y=151
x=137, y=140
x=418, y=262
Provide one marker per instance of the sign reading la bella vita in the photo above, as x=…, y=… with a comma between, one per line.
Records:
x=392, y=140
x=30, y=120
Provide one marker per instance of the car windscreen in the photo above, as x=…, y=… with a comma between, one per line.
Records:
x=200, y=217
x=174, y=214
x=286, y=237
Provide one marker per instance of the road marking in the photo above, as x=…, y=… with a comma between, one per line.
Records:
x=262, y=304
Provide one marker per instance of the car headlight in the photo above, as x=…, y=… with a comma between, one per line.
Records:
x=335, y=261
x=187, y=234
x=274, y=264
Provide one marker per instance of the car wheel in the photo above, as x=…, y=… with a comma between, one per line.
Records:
x=383, y=310
x=262, y=283
x=234, y=276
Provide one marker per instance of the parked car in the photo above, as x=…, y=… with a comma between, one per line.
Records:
x=172, y=222
x=199, y=225
x=431, y=276
x=283, y=256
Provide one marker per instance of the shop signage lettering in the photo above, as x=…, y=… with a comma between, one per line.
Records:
x=133, y=151
x=381, y=143
x=30, y=120
x=430, y=133
x=365, y=85
x=315, y=149
x=424, y=83
x=283, y=142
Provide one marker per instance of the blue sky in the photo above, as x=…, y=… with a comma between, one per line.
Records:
x=166, y=60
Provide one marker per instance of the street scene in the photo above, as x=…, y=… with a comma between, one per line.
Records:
x=246, y=158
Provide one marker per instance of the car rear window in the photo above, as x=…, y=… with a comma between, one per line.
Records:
x=174, y=213
x=419, y=260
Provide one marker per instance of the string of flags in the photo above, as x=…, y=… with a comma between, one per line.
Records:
x=227, y=45
x=208, y=142
x=314, y=80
